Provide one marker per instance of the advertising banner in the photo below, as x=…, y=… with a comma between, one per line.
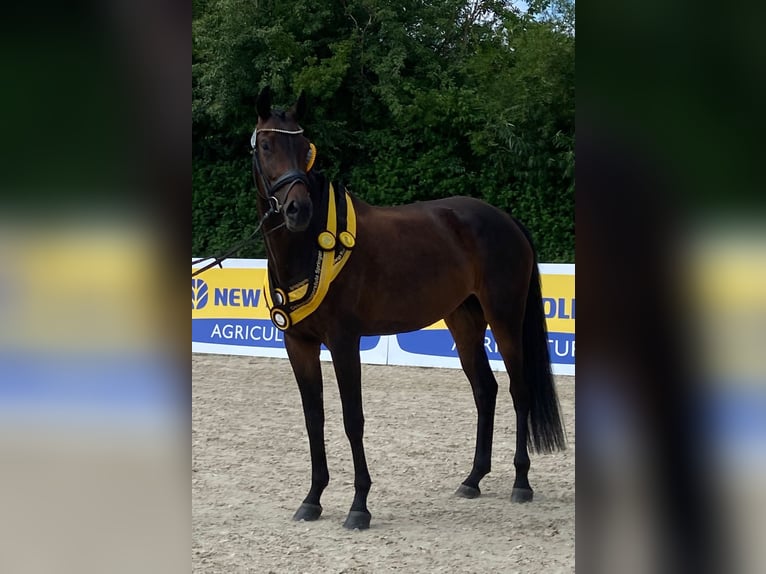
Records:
x=230, y=316
x=434, y=346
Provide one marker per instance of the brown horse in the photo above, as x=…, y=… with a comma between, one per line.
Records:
x=406, y=267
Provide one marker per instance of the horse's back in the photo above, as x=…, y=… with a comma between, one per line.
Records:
x=416, y=263
x=463, y=227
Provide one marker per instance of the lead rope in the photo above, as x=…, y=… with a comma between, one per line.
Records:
x=221, y=258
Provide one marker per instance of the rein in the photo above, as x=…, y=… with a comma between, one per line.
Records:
x=220, y=258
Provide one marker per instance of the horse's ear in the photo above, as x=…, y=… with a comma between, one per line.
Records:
x=263, y=103
x=298, y=111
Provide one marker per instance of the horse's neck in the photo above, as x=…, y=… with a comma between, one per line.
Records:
x=289, y=254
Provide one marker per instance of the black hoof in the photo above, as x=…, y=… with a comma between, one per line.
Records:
x=357, y=519
x=465, y=491
x=521, y=495
x=308, y=512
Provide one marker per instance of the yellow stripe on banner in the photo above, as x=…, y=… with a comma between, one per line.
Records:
x=558, y=296
x=232, y=293
x=235, y=293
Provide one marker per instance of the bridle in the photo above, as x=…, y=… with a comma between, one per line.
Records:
x=290, y=177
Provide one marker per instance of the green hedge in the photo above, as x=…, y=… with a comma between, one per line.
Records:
x=408, y=101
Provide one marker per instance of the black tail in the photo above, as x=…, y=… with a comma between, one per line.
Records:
x=546, y=431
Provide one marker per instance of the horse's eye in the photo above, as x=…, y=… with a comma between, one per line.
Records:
x=265, y=145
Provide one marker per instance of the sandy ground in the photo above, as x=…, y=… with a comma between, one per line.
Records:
x=251, y=470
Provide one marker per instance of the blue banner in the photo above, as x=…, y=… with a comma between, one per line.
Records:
x=249, y=333
x=439, y=342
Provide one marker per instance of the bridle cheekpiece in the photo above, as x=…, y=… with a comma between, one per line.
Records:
x=290, y=177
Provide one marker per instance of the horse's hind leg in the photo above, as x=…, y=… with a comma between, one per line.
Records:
x=468, y=326
x=507, y=331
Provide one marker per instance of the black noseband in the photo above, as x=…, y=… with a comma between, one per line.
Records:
x=290, y=177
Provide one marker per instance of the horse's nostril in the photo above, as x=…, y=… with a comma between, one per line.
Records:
x=292, y=208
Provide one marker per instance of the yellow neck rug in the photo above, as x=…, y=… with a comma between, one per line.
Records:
x=334, y=244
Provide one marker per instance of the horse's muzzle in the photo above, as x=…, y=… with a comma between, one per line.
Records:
x=296, y=208
x=297, y=214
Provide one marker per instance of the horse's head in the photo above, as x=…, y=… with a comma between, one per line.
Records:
x=281, y=159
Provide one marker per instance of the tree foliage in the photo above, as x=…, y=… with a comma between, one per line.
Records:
x=409, y=100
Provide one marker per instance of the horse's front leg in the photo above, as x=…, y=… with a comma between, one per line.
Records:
x=345, y=356
x=304, y=358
